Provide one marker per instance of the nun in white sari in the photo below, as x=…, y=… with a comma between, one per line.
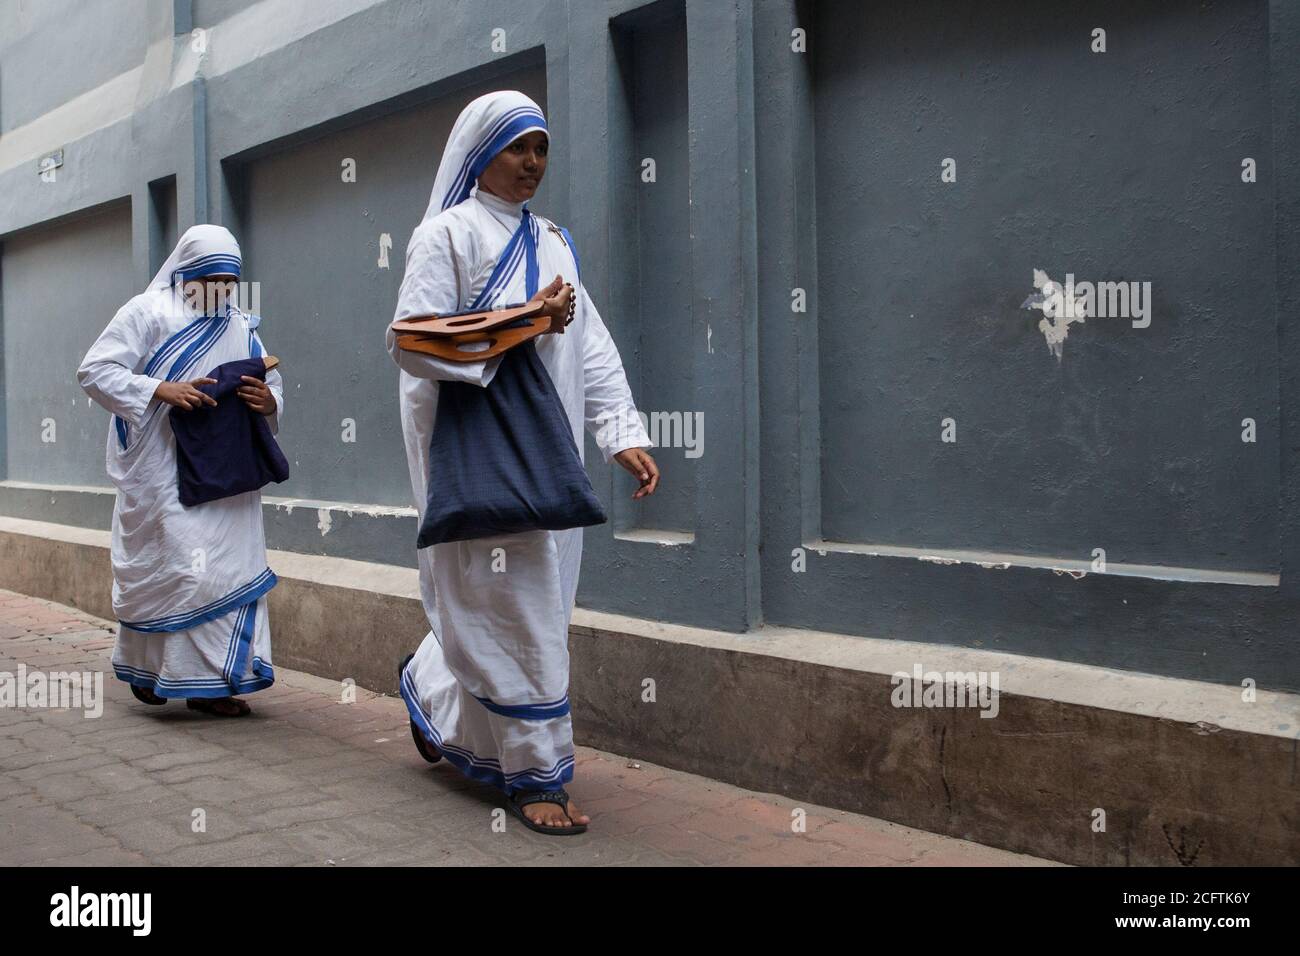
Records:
x=488, y=687
x=189, y=583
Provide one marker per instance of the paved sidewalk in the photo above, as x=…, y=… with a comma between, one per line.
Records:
x=310, y=780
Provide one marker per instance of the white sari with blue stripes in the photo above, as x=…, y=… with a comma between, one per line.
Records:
x=189, y=584
x=489, y=683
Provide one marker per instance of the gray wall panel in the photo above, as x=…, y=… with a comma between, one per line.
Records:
x=653, y=254
x=207, y=13
x=312, y=242
x=62, y=285
x=1067, y=161
x=55, y=50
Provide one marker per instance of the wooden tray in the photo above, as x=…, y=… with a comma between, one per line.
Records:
x=451, y=348
x=473, y=320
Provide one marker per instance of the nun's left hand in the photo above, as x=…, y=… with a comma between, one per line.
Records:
x=643, y=469
x=256, y=395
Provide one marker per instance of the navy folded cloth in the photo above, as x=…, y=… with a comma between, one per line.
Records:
x=503, y=459
x=225, y=449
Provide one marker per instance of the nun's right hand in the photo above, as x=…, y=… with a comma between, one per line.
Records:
x=551, y=291
x=185, y=395
x=556, y=297
x=560, y=308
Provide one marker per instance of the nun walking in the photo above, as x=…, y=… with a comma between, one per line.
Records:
x=488, y=687
x=189, y=583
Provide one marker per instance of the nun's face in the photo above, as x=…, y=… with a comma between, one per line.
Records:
x=516, y=172
x=210, y=294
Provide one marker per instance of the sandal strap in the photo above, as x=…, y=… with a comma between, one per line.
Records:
x=523, y=798
x=231, y=706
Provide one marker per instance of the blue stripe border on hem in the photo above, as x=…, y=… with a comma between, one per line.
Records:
x=558, y=708
x=222, y=606
x=485, y=769
x=174, y=689
x=241, y=641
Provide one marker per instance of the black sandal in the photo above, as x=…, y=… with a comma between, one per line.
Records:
x=210, y=705
x=427, y=750
x=146, y=696
x=522, y=798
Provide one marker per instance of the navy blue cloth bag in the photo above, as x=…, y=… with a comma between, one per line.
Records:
x=226, y=449
x=503, y=459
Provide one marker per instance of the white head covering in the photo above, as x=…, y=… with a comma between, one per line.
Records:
x=485, y=127
x=202, y=251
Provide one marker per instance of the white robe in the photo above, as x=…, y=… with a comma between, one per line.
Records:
x=489, y=684
x=189, y=584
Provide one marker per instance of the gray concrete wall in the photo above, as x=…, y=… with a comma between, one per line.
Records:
x=295, y=209
x=51, y=428
x=824, y=497
x=208, y=13
x=56, y=50
x=1132, y=440
x=654, y=220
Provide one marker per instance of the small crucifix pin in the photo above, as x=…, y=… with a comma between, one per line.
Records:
x=556, y=229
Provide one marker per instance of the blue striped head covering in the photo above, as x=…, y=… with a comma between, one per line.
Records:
x=485, y=127
x=203, y=250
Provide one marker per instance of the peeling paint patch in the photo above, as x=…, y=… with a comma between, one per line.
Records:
x=324, y=521
x=1074, y=574
x=1050, y=299
x=351, y=509
x=1077, y=569
x=986, y=565
x=374, y=511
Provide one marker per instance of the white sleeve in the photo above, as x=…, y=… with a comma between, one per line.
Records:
x=431, y=286
x=276, y=384
x=108, y=372
x=610, y=412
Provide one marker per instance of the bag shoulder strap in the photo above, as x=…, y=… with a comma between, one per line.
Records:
x=573, y=250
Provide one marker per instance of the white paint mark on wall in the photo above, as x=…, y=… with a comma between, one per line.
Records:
x=1077, y=575
x=324, y=520
x=946, y=560
x=1055, y=323
x=351, y=509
